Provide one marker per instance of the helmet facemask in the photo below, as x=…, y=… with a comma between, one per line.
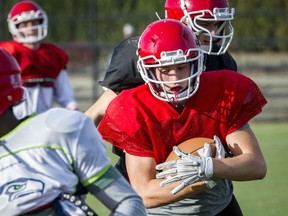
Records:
x=158, y=88
x=225, y=31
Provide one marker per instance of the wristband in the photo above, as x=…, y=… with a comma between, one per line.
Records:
x=208, y=167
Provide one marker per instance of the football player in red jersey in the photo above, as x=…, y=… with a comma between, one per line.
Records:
x=43, y=65
x=211, y=22
x=209, y=19
x=179, y=102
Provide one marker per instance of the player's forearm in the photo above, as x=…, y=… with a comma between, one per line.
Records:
x=94, y=113
x=98, y=109
x=125, y=201
x=113, y=190
x=153, y=195
x=248, y=162
x=240, y=168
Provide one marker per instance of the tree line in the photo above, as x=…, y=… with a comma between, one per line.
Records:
x=259, y=25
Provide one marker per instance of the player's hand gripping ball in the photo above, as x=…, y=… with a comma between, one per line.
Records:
x=191, y=162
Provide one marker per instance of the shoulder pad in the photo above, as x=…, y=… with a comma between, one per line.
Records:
x=63, y=120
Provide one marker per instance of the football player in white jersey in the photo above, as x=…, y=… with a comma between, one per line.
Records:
x=45, y=158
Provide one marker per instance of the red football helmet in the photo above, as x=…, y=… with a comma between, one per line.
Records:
x=11, y=89
x=27, y=11
x=191, y=12
x=164, y=43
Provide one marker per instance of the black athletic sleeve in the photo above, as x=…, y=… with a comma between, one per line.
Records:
x=122, y=72
x=218, y=62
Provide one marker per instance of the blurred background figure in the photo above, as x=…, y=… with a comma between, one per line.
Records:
x=128, y=30
x=43, y=65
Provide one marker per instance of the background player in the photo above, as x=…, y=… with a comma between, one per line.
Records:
x=180, y=102
x=45, y=156
x=43, y=65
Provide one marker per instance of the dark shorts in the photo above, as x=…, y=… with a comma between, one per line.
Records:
x=233, y=209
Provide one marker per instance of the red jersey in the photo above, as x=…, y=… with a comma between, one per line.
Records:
x=46, y=62
x=143, y=125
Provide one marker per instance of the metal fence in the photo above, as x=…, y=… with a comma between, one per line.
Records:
x=88, y=55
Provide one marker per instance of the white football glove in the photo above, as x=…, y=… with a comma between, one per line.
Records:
x=190, y=168
x=220, y=151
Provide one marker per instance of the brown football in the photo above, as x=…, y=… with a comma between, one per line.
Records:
x=192, y=146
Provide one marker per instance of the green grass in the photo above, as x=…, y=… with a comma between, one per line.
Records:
x=257, y=198
x=268, y=196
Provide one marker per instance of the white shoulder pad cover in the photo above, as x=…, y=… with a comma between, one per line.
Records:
x=64, y=121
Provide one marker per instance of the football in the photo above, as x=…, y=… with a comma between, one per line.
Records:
x=193, y=146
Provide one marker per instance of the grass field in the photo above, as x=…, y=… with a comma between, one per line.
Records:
x=267, y=197
x=270, y=195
